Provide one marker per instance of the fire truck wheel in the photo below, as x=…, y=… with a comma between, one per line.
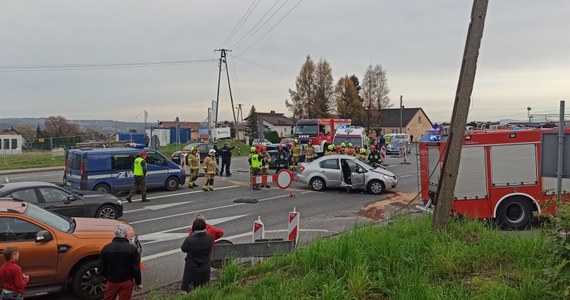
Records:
x=515, y=213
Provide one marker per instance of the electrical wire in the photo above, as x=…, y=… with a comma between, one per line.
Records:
x=235, y=79
x=244, y=39
x=68, y=67
x=270, y=29
x=241, y=22
x=262, y=66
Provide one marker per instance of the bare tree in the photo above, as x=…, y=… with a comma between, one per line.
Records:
x=60, y=126
x=324, y=90
x=375, y=93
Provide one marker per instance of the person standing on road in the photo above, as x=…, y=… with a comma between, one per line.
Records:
x=12, y=279
x=210, y=167
x=330, y=150
x=226, y=155
x=265, y=161
x=197, y=264
x=295, y=154
x=139, y=173
x=309, y=152
x=374, y=157
x=282, y=159
x=184, y=162
x=119, y=264
x=194, y=165
x=217, y=156
x=254, y=165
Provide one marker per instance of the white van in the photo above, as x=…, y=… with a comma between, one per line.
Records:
x=350, y=134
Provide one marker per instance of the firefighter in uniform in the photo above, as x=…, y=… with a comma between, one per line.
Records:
x=342, y=148
x=350, y=150
x=194, y=165
x=282, y=158
x=295, y=154
x=265, y=160
x=330, y=150
x=309, y=152
x=254, y=165
x=210, y=167
x=374, y=156
x=362, y=155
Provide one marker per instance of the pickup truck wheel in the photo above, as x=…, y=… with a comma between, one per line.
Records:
x=87, y=282
x=106, y=212
x=171, y=183
x=102, y=188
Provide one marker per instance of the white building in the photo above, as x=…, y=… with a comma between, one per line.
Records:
x=11, y=144
x=273, y=121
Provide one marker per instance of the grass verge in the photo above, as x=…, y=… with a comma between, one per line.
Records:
x=36, y=159
x=406, y=260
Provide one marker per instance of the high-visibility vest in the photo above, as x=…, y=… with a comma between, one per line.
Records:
x=255, y=161
x=137, y=167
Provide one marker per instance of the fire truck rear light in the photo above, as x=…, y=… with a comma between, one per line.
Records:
x=467, y=137
x=512, y=135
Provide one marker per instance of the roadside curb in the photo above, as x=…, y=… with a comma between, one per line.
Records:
x=31, y=170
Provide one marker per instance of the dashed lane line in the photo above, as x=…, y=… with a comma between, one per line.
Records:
x=184, y=193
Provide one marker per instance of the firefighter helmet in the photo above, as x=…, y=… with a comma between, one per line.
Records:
x=212, y=152
x=343, y=144
x=331, y=147
x=362, y=150
x=252, y=149
x=349, y=145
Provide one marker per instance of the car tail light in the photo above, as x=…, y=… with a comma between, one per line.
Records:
x=82, y=169
x=301, y=169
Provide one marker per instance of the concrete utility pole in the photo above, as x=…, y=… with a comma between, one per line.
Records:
x=224, y=61
x=452, y=155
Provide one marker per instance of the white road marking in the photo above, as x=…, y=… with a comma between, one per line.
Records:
x=166, y=235
x=233, y=237
x=404, y=176
x=209, y=209
x=17, y=177
x=183, y=193
x=159, y=206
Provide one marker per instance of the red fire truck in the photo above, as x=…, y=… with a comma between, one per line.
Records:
x=319, y=131
x=499, y=175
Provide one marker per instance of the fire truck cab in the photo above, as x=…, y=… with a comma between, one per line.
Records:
x=499, y=175
x=319, y=131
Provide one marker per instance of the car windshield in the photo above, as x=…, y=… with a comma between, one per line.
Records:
x=187, y=147
x=310, y=129
x=54, y=220
x=402, y=137
x=357, y=140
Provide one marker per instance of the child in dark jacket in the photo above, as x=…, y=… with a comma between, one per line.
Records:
x=11, y=277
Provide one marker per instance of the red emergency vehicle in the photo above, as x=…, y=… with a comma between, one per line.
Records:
x=318, y=131
x=499, y=175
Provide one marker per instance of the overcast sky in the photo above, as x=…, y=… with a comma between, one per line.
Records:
x=524, y=59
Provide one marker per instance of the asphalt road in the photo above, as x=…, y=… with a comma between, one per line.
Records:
x=163, y=223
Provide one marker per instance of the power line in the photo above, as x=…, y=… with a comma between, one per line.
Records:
x=241, y=22
x=262, y=66
x=67, y=67
x=244, y=39
x=275, y=25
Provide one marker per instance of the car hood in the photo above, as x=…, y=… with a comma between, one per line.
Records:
x=92, y=228
x=382, y=171
x=91, y=195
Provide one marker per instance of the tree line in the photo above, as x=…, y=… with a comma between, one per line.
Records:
x=316, y=96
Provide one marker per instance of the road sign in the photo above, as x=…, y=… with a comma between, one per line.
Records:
x=284, y=178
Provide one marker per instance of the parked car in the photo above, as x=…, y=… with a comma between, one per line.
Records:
x=203, y=149
x=63, y=201
x=110, y=170
x=325, y=172
x=273, y=150
x=57, y=251
x=397, y=145
x=261, y=141
x=286, y=140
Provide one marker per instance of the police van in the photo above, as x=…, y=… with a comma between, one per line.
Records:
x=110, y=170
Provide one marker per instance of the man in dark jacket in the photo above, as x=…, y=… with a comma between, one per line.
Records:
x=226, y=155
x=217, y=156
x=197, y=248
x=119, y=263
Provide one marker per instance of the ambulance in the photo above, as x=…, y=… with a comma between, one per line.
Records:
x=351, y=134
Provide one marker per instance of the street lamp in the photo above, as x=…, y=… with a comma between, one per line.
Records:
x=528, y=109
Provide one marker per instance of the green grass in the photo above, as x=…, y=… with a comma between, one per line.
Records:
x=406, y=260
x=36, y=159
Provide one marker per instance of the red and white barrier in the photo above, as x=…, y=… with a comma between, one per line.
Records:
x=283, y=178
x=383, y=154
x=258, y=230
x=293, y=226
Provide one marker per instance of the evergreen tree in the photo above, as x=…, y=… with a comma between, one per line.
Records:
x=252, y=125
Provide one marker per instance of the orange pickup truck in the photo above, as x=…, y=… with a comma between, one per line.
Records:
x=56, y=251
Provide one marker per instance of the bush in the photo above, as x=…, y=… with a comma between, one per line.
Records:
x=558, y=271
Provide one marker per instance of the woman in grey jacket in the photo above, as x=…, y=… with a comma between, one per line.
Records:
x=197, y=248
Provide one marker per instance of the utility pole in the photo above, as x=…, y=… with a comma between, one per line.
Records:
x=401, y=113
x=224, y=61
x=452, y=155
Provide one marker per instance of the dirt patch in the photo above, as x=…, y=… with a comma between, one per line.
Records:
x=379, y=210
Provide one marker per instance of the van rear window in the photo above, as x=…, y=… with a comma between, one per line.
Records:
x=74, y=161
x=123, y=161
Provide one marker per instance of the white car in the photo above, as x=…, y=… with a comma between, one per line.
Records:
x=260, y=141
x=326, y=172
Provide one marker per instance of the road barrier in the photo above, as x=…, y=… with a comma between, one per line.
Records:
x=293, y=226
x=258, y=230
x=283, y=178
x=383, y=155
